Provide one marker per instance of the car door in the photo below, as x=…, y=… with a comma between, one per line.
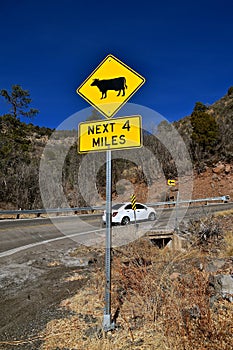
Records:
x=128, y=211
x=141, y=212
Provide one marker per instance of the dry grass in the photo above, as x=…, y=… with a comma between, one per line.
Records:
x=226, y=219
x=224, y=213
x=229, y=243
x=162, y=302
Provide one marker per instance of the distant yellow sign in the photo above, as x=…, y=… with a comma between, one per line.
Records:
x=110, y=86
x=171, y=182
x=102, y=135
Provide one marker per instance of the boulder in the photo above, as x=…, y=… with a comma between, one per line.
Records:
x=214, y=265
x=227, y=168
x=175, y=276
x=215, y=177
x=219, y=169
x=222, y=286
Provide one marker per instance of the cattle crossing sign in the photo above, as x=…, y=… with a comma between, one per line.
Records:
x=107, y=89
x=110, y=86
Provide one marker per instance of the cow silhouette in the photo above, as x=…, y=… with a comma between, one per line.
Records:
x=117, y=84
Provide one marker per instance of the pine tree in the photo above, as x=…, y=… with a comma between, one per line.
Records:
x=205, y=133
x=19, y=101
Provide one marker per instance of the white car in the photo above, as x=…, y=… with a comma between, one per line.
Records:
x=124, y=214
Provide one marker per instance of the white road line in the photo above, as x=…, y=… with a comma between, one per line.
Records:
x=32, y=245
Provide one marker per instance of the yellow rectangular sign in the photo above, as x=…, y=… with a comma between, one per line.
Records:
x=102, y=135
x=171, y=182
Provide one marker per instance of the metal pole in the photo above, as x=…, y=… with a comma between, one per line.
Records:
x=176, y=220
x=107, y=322
x=135, y=219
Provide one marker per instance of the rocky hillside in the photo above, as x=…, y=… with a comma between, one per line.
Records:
x=207, y=133
x=222, y=111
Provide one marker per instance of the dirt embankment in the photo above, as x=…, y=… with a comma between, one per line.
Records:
x=33, y=284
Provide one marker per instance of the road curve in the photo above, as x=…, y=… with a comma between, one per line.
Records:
x=17, y=235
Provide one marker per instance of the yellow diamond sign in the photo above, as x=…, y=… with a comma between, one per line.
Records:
x=117, y=133
x=110, y=86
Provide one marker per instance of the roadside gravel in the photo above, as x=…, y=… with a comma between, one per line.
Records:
x=32, y=285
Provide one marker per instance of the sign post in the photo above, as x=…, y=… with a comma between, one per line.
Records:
x=107, y=322
x=133, y=203
x=170, y=183
x=107, y=89
x=177, y=207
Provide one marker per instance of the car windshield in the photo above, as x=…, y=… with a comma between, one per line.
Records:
x=116, y=206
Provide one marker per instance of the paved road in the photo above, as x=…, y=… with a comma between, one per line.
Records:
x=17, y=235
x=36, y=258
x=26, y=233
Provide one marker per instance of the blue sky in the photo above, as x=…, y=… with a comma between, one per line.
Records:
x=184, y=50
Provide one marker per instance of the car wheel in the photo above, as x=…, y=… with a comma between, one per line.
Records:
x=152, y=217
x=125, y=220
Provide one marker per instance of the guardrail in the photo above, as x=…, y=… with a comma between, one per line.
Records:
x=75, y=210
x=224, y=199
x=38, y=212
